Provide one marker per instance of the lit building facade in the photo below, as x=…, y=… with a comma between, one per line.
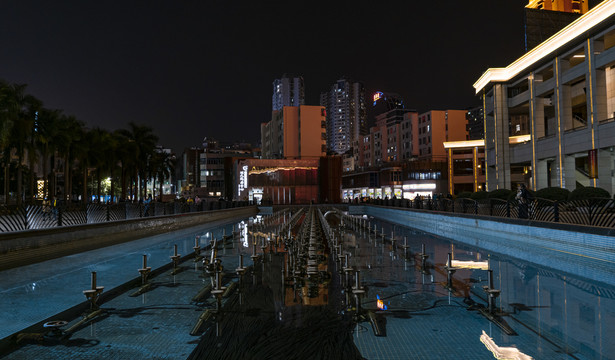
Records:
x=189, y=169
x=346, y=114
x=561, y=96
x=571, y=6
x=396, y=180
x=466, y=164
x=287, y=91
x=437, y=126
x=288, y=181
x=391, y=138
x=296, y=132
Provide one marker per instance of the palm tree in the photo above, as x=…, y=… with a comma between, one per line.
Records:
x=125, y=150
x=143, y=142
x=48, y=131
x=99, y=150
x=163, y=165
x=71, y=134
x=18, y=116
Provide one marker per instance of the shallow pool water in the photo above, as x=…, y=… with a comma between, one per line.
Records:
x=411, y=309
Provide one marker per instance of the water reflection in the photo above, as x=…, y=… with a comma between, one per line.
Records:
x=573, y=314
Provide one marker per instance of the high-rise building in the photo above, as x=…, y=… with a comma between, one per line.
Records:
x=476, y=123
x=389, y=112
x=296, y=132
x=346, y=114
x=288, y=91
x=383, y=103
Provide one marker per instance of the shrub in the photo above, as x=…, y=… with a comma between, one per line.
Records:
x=583, y=193
x=502, y=194
x=480, y=195
x=553, y=193
x=464, y=195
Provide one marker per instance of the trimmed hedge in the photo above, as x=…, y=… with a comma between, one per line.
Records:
x=502, y=194
x=583, y=193
x=553, y=193
x=464, y=195
x=479, y=195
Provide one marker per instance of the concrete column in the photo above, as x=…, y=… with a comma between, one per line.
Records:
x=599, y=96
x=475, y=169
x=539, y=118
x=540, y=174
x=569, y=173
x=501, y=137
x=488, y=107
x=561, y=115
x=605, y=170
x=535, y=118
x=566, y=107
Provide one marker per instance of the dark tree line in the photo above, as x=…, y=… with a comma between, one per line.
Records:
x=39, y=143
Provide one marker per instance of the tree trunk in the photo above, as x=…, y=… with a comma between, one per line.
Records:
x=33, y=195
x=67, y=185
x=45, y=178
x=85, y=184
x=112, y=183
x=98, y=185
x=123, y=182
x=6, y=183
x=19, y=183
x=161, y=182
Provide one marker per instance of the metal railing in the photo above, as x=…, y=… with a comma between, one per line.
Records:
x=31, y=217
x=592, y=212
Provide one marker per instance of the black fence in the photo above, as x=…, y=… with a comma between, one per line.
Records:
x=30, y=217
x=593, y=212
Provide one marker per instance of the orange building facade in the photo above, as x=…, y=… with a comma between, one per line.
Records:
x=436, y=127
x=296, y=132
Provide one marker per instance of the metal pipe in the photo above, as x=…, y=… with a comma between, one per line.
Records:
x=93, y=280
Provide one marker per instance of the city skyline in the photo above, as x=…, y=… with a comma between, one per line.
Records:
x=179, y=68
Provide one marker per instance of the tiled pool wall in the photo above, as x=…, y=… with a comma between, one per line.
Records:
x=590, y=255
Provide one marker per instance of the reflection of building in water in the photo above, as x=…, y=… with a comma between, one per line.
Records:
x=581, y=312
x=281, y=181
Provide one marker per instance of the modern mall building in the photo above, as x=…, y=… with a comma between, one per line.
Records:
x=559, y=98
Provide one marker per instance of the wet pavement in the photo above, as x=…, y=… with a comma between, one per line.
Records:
x=410, y=310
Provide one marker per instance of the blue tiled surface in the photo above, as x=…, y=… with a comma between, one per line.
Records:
x=33, y=293
x=588, y=255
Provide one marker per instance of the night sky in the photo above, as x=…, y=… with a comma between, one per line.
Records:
x=192, y=68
